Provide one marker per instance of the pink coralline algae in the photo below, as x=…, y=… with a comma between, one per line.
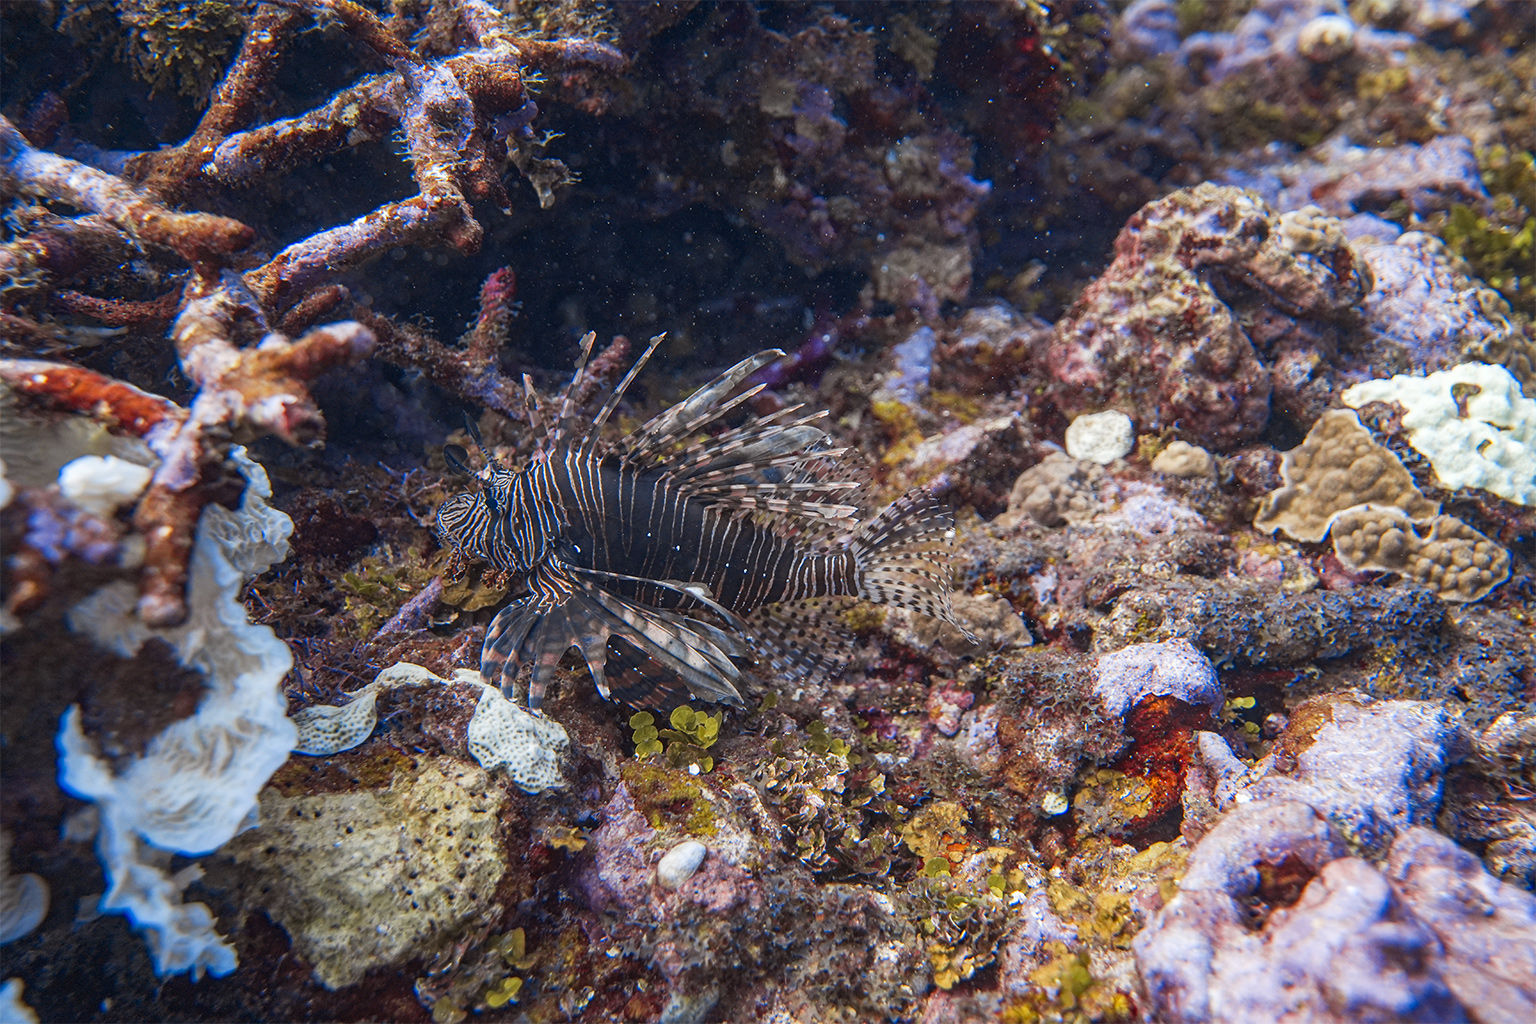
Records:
x=1206, y=283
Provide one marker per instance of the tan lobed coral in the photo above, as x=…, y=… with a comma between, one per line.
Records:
x=1183, y=459
x=1458, y=562
x=1337, y=467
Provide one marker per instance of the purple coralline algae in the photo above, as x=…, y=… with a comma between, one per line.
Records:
x=1344, y=179
x=1169, y=669
x=1277, y=35
x=1426, y=313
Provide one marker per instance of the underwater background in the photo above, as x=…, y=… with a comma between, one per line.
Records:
x=1211, y=321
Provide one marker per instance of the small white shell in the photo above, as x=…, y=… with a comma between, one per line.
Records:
x=679, y=863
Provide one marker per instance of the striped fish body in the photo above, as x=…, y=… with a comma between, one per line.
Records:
x=673, y=557
x=641, y=525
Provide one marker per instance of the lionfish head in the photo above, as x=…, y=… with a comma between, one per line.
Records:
x=474, y=522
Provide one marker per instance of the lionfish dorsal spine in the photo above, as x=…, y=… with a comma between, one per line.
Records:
x=589, y=443
x=566, y=402
x=653, y=440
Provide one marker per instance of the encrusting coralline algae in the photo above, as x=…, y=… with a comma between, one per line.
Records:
x=1208, y=323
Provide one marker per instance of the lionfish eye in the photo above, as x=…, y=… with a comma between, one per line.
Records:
x=457, y=459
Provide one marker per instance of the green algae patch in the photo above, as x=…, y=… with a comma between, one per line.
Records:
x=669, y=796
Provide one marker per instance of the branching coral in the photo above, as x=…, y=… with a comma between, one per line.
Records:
x=253, y=391
x=455, y=114
x=25, y=170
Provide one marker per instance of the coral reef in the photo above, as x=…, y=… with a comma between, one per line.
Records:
x=1161, y=334
x=1210, y=322
x=372, y=878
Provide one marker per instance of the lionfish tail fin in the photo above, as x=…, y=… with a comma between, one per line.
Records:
x=903, y=556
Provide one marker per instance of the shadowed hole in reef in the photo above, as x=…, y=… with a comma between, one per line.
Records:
x=1280, y=885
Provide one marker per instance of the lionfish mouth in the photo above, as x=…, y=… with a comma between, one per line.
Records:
x=682, y=554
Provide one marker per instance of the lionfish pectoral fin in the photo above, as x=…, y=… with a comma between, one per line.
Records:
x=501, y=656
x=699, y=653
x=903, y=556
x=576, y=622
x=640, y=681
x=523, y=634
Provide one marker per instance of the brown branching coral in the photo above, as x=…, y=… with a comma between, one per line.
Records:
x=252, y=391
x=451, y=111
x=465, y=119
x=197, y=237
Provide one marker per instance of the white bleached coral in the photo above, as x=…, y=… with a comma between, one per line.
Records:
x=1101, y=437
x=325, y=729
x=12, y=1009
x=101, y=484
x=1173, y=668
x=196, y=784
x=529, y=745
x=23, y=898
x=500, y=734
x=1473, y=423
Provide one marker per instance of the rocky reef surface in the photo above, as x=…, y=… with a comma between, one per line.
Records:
x=1212, y=321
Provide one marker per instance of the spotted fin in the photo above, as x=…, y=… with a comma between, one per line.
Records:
x=530, y=633
x=803, y=639
x=903, y=556
x=640, y=681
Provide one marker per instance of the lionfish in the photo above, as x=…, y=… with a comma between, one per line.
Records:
x=683, y=550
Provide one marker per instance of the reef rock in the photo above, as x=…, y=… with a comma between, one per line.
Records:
x=1337, y=938
x=1161, y=336
x=370, y=878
